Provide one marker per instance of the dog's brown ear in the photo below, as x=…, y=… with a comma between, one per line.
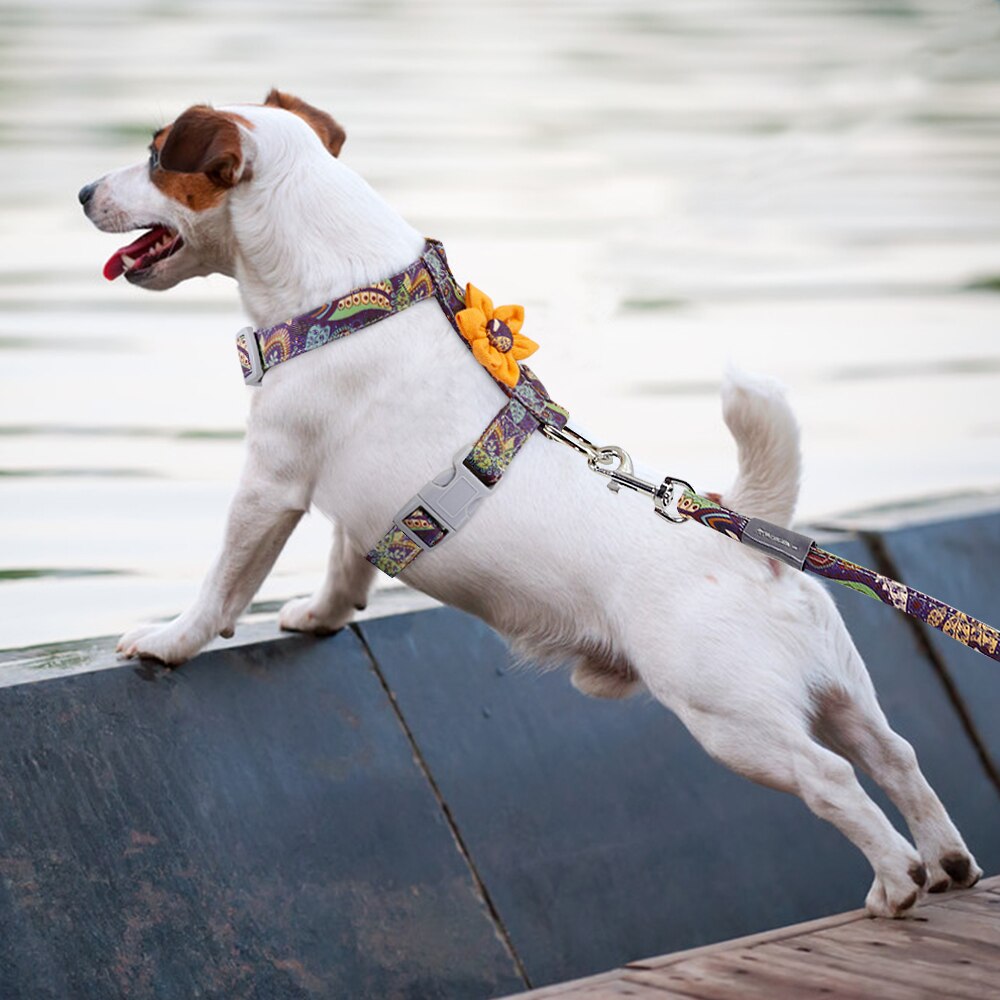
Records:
x=329, y=131
x=204, y=141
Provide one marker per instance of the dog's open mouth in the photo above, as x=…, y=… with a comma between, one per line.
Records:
x=156, y=244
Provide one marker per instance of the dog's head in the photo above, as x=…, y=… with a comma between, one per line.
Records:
x=180, y=195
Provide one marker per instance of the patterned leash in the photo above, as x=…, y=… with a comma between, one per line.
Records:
x=676, y=500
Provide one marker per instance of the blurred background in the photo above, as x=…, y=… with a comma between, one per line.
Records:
x=808, y=189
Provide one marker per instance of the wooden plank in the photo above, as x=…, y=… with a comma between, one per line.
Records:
x=749, y=940
x=900, y=974
x=986, y=904
x=950, y=947
x=960, y=923
x=764, y=973
x=621, y=988
x=908, y=953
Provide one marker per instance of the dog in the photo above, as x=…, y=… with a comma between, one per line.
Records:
x=755, y=660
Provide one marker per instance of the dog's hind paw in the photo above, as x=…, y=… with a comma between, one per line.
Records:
x=955, y=869
x=301, y=614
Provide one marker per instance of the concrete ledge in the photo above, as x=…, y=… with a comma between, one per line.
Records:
x=395, y=811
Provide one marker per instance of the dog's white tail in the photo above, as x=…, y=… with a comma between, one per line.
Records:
x=767, y=438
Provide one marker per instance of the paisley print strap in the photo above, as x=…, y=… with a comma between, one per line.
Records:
x=334, y=320
x=422, y=527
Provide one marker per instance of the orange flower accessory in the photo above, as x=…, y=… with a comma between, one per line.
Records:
x=495, y=335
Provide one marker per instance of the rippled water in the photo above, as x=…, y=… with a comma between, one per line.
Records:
x=809, y=189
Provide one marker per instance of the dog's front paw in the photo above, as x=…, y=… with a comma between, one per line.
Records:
x=895, y=895
x=173, y=643
x=302, y=614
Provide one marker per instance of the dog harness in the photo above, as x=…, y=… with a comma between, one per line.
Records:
x=443, y=505
x=446, y=503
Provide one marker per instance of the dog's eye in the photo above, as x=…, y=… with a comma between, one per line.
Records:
x=154, y=158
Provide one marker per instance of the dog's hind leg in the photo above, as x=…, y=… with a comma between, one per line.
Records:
x=853, y=724
x=344, y=590
x=761, y=739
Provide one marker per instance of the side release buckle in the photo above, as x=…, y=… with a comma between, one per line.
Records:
x=450, y=498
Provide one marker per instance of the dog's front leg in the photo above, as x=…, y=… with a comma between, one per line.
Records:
x=349, y=577
x=260, y=520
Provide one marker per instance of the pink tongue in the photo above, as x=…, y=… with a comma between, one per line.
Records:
x=115, y=266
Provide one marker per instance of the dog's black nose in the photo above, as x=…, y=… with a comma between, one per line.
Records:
x=87, y=192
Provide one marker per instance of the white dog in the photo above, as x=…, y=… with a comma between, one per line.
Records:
x=756, y=663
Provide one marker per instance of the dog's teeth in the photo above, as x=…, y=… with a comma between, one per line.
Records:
x=127, y=261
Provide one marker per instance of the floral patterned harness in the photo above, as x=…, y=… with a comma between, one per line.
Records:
x=493, y=336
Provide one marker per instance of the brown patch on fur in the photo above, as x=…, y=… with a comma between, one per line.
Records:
x=941, y=886
x=604, y=674
x=918, y=873
x=201, y=157
x=324, y=125
x=905, y=905
x=195, y=191
x=957, y=866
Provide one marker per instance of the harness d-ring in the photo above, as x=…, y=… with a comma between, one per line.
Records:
x=666, y=497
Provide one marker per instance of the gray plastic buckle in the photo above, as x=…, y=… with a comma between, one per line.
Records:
x=778, y=542
x=253, y=353
x=451, y=498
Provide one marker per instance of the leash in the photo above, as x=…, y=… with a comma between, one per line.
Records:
x=492, y=334
x=676, y=501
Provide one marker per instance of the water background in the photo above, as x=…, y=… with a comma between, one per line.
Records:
x=809, y=189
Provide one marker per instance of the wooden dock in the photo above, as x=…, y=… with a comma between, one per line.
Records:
x=949, y=948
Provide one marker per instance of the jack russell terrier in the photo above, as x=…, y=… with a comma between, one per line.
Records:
x=755, y=660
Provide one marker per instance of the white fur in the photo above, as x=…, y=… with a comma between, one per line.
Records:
x=757, y=664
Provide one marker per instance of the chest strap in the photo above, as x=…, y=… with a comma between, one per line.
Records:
x=444, y=504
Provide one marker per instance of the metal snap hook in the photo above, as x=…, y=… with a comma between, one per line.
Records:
x=612, y=461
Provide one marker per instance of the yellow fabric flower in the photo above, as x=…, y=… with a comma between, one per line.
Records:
x=495, y=335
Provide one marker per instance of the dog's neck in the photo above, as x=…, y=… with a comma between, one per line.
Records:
x=343, y=236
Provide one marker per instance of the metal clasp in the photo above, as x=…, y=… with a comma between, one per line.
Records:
x=615, y=463
x=621, y=474
x=568, y=436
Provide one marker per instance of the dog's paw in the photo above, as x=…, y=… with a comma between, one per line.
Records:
x=953, y=870
x=302, y=615
x=895, y=896
x=172, y=643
